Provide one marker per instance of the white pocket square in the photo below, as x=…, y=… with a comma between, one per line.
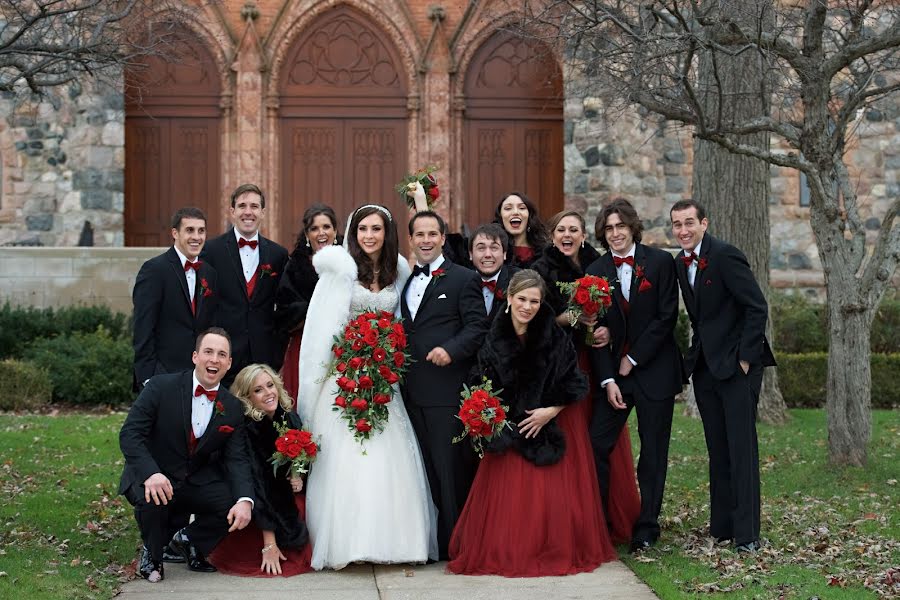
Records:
x=442, y=296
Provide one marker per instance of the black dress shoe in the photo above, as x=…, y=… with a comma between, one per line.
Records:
x=171, y=556
x=639, y=546
x=149, y=570
x=748, y=548
x=183, y=547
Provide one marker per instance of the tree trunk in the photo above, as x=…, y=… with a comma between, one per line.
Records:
x=735, y=189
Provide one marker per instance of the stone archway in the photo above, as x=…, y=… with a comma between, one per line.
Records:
x=172, y=139
x=512, y=134
x=342, y=117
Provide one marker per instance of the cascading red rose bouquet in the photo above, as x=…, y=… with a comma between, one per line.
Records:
x=424, y=176
x=368, y=359
x=482, y=415
x=588, y=296
x=295, y=447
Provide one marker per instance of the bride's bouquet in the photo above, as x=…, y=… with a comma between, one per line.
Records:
x=369, y=358
x=482, y=415
x=589, y=296
x=295, y=447
x=425, y=177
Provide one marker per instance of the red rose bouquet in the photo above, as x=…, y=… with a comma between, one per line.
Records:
x=295, y=447
x=482, y=415
x=369, y=358
x=424, y=176
x=589, y=296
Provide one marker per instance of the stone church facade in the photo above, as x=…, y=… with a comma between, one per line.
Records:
x=333, y=101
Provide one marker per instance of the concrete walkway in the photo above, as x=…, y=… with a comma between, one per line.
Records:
x=612, y=581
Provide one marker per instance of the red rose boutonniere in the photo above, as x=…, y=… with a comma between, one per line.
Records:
x=437, y=274
x=498, y=293
x=204, y=288
x=220, y=408
x=226, y=429
x=266, y=270
x=644, y=283
x=702, y=264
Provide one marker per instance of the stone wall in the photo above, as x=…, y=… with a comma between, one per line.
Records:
x=52, y=277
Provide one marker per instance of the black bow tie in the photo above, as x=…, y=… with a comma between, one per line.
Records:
x=425, y=270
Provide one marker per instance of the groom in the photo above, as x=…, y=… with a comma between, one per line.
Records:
x=445, y=320
x=185, y=451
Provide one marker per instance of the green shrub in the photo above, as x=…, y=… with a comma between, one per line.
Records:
x=886, y=327
x=86, y=368
x=20, y=326
x=799, y=324
x=802, y=378
x=23, y=386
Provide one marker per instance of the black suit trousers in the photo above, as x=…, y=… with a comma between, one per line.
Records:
x=208, y=503
x=728, y=411
x=654, y=429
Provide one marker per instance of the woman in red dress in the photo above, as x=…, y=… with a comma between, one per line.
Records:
x=527, y=235
x=534, y=507
x=565, y=261
x=297, y=284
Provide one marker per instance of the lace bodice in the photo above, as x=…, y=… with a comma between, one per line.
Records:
x=364, y=299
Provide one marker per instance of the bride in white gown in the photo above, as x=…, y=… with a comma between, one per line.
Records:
x=373, y=507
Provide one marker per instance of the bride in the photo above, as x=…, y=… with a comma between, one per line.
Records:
x=372, y=507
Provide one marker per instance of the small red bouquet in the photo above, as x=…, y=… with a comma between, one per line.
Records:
x=369, y=358
x=295, y=447
x=482, y=415
x=425, y=176
x=589, y=296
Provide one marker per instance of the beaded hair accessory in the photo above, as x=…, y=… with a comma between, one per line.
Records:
x=386, y=212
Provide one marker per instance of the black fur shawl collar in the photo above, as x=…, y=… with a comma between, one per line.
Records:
x=554, y=266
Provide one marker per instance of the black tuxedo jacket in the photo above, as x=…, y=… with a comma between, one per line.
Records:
x=165, y=328
x=155, y=438
x=451, y=316
x=648, y=330
x=727, y=309
x=499, y=303
x=249, y=321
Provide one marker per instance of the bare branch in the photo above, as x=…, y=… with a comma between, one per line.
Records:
x=886, y=255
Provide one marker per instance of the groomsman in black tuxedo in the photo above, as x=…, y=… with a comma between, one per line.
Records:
x=728, y=352
x=641, y=366
x=487, y=251
x=445, y=321
x=174, y=299
x=185, y=452
x=250, y=267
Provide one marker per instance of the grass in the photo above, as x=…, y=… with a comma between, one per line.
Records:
x=831, y=533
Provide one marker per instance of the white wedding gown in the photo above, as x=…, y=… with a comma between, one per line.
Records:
x=373, y=507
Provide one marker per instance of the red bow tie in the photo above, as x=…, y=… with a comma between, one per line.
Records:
x=210, y=394
x=188, y=265
x=689, y=259
x=628, y=260
x=491, y=285
x=252, y=243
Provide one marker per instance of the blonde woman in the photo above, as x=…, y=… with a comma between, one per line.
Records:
x=276, y=541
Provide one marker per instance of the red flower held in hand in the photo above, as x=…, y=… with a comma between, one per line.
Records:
x=384, y=323
x=371, y=338
x=355, y=362
x=346, y=384
x=379, y=355
x=340, y=401
x=363, y=426
x=359, y=404
x=365, y=382
x=226, y=429
x=434, y=192
x=341, y=367
x=399, y=359
x=381, y=399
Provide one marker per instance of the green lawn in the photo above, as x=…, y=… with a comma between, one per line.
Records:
x=831, y=533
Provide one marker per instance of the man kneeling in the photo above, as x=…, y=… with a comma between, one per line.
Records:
x=178, y=438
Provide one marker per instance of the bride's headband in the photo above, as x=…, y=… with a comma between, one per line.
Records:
x=386, y=212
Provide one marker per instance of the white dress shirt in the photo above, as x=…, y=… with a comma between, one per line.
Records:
x=419, y=284
x=488, y=294
x=190, y=275
x=692, y=270
x=624, y=273
x=249, y=256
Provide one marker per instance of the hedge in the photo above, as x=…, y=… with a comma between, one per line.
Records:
x=86, y=368
x=21, y=326
x=23, y=386
x=802, y=379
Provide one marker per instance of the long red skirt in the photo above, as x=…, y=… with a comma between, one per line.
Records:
x=240, y=553
x=522, y=520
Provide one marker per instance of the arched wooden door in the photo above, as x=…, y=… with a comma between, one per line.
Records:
x=172, y=140
x=343, y=118
x=513, y=128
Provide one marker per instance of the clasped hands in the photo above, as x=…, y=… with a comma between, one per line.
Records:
x=158, y=489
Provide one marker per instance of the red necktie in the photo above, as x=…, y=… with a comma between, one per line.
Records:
x=491, y=285
x=210, y=394
x=628, y=260
x=689, y=259
x=252, y=243
x=188, y=265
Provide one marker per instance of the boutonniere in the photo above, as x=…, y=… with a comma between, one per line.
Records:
x=498, y=293
x=702, y=264
x=266, y=269
x=204, y=288
x=226, y=429
x=220, y=408
x=644, y=282
x=437, y=274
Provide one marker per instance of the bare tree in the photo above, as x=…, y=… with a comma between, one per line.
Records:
x=826, y=61
x=48, y=43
